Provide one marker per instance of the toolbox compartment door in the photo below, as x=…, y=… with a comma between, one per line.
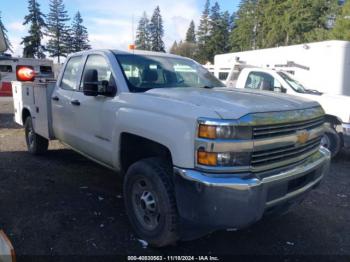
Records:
x=35, y=97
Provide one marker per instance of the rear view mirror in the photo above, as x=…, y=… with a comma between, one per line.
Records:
x=3, y=44
x=90, y=83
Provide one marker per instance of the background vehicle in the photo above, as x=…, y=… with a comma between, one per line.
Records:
x=9, y=66
x=323, y=65
x=337, y=108
x=190, y=153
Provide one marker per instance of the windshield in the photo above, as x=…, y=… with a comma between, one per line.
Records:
x=144, y=72
x=293, y=83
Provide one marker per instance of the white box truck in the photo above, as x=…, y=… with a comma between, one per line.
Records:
x=324, y=66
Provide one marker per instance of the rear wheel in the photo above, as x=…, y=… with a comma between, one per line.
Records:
x=332, y=140
x=36, y=144
x=150, y=202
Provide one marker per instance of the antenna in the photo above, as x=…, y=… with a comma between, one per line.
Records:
x=133, y=33
x=133, y=29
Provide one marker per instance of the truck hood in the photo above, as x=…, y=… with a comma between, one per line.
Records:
x=336, y=105
x=234, y=103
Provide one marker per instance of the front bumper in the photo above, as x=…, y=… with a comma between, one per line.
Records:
x=346, y=135
x=234, y=202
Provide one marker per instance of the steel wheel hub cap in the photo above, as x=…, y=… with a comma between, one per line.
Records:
x=325, y=142
x=145, y=205
x=31, y=137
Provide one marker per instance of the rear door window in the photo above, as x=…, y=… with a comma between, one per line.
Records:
x=46, y=69
x=69, y=79
x=6, y=68
x=223, y=75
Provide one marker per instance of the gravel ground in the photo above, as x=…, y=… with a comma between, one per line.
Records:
x=64, y=204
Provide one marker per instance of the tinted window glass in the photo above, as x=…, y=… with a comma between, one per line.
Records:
x=6, y=68
x=104, y=72
x=223, y=75
x=45, y=69
x=70, y=73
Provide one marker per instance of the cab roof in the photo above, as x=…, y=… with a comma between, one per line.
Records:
x=132, y=52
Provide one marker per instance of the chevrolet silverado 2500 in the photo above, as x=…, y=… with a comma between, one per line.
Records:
x=195, y=156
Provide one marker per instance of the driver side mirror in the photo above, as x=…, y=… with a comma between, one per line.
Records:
x=279, y=88
x=93, y=87
x=90, y=83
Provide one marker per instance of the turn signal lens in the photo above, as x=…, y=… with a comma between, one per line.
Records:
x=207, y=159
x=207, y=131
x=25, y=74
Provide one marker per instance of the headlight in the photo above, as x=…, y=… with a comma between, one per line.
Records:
x=224, y=132
x=223, y=159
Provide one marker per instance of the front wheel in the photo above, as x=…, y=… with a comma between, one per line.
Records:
x=150, y=201
x=332, y=141
x=36, y=144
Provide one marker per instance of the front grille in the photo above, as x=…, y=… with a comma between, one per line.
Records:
x=265, y=157
x=286, y=129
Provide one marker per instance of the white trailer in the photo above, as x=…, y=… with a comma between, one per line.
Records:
x=324, y=66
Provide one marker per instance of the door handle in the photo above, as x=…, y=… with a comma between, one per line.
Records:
x=75, y=103
x=55, y=98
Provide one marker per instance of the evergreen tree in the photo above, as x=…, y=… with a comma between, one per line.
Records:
x=191, y=33
x=157, y=31
x=173, y=49
x=57, y=30
x=306, y=19
x=32, y=43
x=341, y=30
x=79, y=35
x=186, y=49
x=244, y=35
x=203, y=34
x=68, y=41
x=2, y=26
x=218, y=42
x=143, y=38
x=270, y=23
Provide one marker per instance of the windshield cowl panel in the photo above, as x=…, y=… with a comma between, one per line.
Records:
x=145, y=72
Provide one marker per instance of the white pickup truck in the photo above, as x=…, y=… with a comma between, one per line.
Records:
x=195, y=156
x=337, y=107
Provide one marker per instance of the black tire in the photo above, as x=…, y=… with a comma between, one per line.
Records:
x=332, y=140
x=36, y=144
x=150, y=180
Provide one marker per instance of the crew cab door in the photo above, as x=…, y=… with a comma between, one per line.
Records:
x=62, y=109
x=263, y=81
x=94, y=115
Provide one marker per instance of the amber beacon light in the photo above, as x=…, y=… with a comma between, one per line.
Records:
x=25, y=73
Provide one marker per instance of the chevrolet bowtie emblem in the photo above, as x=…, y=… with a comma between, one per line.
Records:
x=303, y=136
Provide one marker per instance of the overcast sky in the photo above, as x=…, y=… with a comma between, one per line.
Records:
x=109, y=22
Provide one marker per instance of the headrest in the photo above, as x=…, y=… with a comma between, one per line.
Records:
x=149, y=75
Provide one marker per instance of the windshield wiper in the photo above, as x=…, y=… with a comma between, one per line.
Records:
x=314, y=92
x=207, y=87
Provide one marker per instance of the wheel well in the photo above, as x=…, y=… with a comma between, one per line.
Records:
x=135, y=148
x=25, y=114
x=333, y=120
x=336, y=124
